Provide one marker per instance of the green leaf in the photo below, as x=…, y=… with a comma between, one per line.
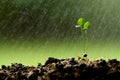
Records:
x=81, y=22
x=86, y=25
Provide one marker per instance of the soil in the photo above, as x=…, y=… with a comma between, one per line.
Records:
x=64, y=69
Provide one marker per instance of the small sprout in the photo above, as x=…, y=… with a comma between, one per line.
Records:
x=81, y=22
x=86, y=25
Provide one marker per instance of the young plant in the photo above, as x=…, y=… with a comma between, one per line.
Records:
x=84, y=26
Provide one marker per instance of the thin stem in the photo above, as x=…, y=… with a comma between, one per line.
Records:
x=83, y=39
x=86, y=41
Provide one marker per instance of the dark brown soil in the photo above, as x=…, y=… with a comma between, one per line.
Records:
x=64, y=69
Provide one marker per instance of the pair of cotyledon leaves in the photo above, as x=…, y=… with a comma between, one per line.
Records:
x=83, y=24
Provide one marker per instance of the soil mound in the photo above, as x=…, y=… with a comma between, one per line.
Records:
x=64, y=69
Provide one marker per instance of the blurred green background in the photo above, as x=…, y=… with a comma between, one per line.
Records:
x=33, y=30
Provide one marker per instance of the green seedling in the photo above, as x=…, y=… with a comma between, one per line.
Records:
x=84, y=26
x=80, y=24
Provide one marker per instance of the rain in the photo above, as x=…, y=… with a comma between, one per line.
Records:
x=33, y=30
